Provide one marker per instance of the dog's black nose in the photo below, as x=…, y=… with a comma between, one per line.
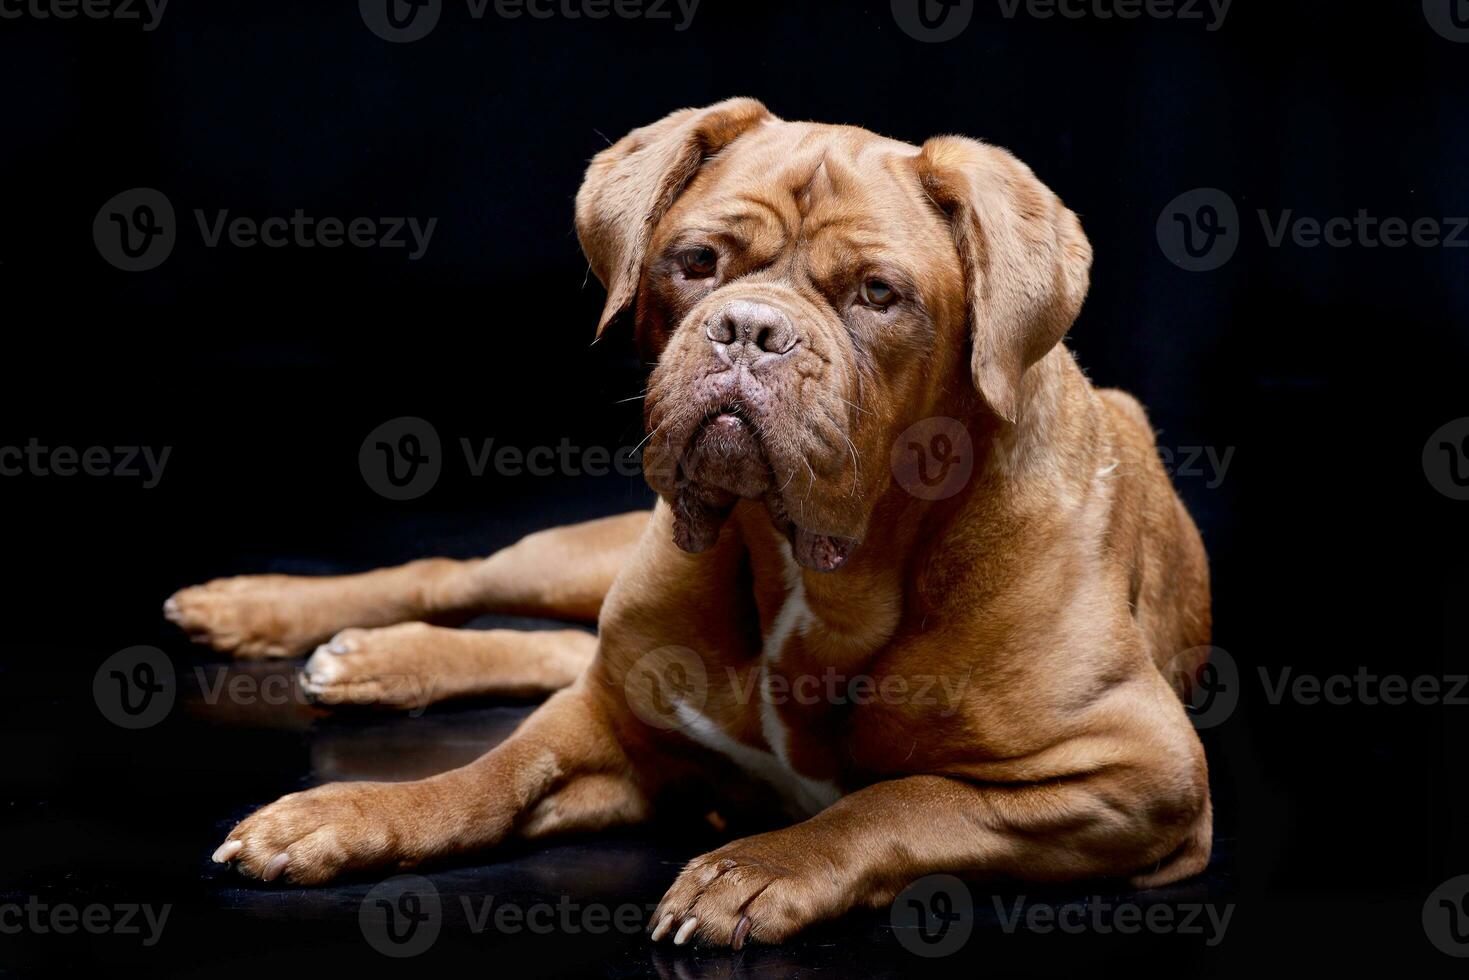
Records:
x=758, y=327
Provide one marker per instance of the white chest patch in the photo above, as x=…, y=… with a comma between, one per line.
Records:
x=772, y=766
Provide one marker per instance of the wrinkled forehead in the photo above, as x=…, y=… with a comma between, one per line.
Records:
x=834, y=189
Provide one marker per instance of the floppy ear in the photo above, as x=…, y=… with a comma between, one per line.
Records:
x=1027, y=261
x=631, y=185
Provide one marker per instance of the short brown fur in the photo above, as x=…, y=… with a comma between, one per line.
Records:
x=1062, y=593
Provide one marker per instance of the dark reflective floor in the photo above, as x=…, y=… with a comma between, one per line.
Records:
x=100, y=816
x=1321, y=846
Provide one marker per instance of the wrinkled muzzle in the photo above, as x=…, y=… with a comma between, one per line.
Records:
x=740, y=407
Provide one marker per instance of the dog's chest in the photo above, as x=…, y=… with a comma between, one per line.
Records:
x=779, y=705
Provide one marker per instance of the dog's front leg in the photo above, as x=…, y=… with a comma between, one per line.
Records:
x=561, y=770
x=867, y=847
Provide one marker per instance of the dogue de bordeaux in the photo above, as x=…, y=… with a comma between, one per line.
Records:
x=981, y=675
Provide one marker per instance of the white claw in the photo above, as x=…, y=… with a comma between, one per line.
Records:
x=664, y=924
x=685, y=931
x=322, y=668
x=227, y=851
x=275, y=867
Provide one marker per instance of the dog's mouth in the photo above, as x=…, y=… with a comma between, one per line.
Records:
x=726, y=461
x=726, y=453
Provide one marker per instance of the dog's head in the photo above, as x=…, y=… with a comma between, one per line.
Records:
x=809, y=292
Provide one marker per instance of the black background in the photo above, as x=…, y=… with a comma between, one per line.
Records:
x=1324, y=370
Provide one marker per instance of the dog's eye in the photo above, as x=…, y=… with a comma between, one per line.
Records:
x=878, y=294
x=699, y=263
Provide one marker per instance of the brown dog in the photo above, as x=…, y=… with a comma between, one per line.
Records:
x=910, y=574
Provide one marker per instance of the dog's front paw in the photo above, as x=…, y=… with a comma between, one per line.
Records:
x=392, y=666
x=763, y=889
x=312, y=837
x=254, y=616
